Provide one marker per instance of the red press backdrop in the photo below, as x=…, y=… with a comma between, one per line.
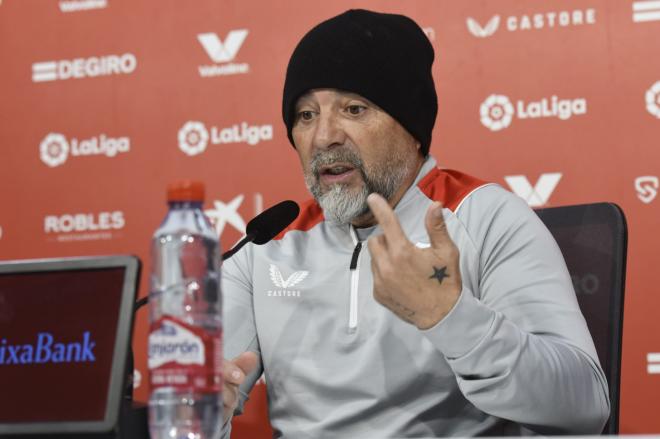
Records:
x=103, y=102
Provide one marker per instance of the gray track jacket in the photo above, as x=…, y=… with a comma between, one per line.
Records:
x=513, y=354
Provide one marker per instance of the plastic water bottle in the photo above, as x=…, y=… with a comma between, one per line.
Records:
x=185, y=309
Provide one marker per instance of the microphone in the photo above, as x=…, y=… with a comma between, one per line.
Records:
x=261, y=229
x=265, y=226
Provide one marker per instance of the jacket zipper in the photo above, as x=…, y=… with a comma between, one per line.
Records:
x=355, y=279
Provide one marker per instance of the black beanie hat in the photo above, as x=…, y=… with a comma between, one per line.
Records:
x=385, y=58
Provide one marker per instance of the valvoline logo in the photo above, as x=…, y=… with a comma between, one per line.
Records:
x=46, y=349
x=171, y=342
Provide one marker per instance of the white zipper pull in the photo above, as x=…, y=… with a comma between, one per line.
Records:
x=355, y=279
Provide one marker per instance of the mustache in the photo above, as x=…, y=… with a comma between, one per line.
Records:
x=324, y=158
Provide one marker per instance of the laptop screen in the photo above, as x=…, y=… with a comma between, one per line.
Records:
x=59, y=346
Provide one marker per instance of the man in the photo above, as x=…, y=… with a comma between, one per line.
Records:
x=460, y=319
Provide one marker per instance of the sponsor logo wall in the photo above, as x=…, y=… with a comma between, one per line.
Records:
x=560, y=105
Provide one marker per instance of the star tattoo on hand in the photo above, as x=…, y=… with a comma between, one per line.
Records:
x=439, y=273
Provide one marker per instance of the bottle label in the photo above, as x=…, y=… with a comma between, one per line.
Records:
x=184, y=356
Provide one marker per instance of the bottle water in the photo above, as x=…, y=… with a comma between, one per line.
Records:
x=185, y=309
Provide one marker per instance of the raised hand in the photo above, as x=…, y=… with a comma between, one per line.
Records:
x=419, y=285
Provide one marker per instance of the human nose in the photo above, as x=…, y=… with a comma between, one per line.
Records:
x=328, y=132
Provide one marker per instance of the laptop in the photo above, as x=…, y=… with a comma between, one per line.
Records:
x=65, y=337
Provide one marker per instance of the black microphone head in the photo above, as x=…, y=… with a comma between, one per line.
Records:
x=272, y=221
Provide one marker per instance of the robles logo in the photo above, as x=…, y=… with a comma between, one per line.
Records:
x=497, y=112
x=193, y=136
x=79, y=68
x=55, y=148
x=84, y=226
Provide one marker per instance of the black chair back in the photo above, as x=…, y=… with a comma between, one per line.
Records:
x=593, y=240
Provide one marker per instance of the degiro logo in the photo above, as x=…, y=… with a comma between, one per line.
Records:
x=194, y=136
x=46, y=350
x=55, y=148
x=84, y=67
x=497, y=111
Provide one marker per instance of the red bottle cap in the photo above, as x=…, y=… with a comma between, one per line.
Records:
x=185, y=190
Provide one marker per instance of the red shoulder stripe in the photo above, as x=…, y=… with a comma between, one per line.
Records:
x=448, y=186
x=310, y=215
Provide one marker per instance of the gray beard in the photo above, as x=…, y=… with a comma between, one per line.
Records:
x=341, y=204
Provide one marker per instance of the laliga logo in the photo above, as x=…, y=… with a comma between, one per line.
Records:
x=54, y=148
x=653, y=100
x=497, y=112
x=647, y=188
x=193, y=138
x=193, y=135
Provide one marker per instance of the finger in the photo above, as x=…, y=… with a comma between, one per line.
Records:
x=234, y=371
x=377, y=245
x=229, y=395
x=247, y=362
x=229, y=400
x=375, y=249
x=387, y=219
x=435, y=226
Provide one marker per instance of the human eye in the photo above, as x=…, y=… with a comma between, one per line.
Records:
x=304, y=115
x=355, y=109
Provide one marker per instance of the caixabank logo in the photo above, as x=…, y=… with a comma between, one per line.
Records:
x=47, y=349
x=498, y=111
x=84, y=226
x=224, y=213
x=194, y=137
x=79, y=68
x=223, y=53
x=55, y=149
